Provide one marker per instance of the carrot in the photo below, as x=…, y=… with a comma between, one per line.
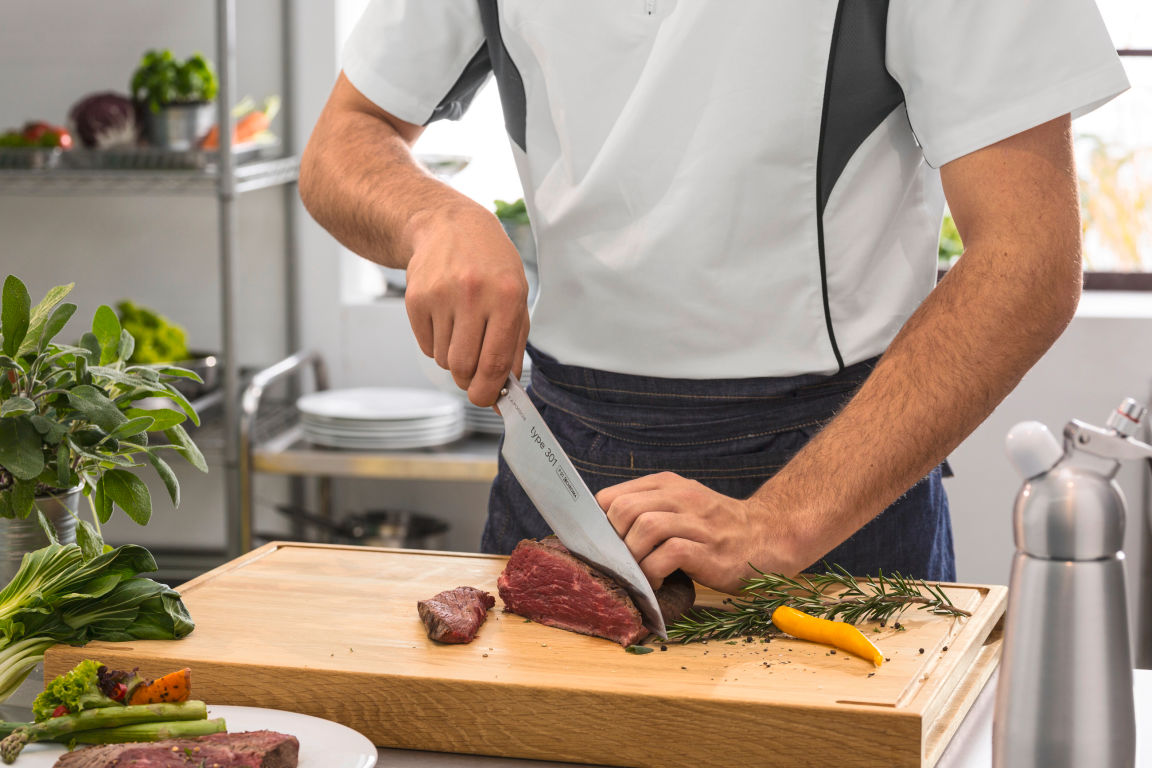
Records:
x=248, y=127
x=172, y=688
x=838, y=634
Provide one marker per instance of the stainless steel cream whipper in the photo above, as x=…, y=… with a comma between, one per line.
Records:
x=1065, y=692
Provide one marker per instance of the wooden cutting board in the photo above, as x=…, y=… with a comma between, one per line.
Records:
x=333, y=631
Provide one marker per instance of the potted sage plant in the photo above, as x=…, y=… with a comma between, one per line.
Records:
x=71, y=425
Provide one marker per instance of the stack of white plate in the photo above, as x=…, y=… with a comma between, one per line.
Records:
x=381, y=418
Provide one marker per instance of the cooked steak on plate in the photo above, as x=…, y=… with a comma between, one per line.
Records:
x=545, y=582
x=250, y=749
x=455, y=615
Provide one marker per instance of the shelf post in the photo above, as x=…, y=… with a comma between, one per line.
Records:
x=239, y=534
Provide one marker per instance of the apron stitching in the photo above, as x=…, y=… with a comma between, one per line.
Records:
x=718, y=441
x=687, y=474
x=632, y=465
x=805, y=388
x=593, y=423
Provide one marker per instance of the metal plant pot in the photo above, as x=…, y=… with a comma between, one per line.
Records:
x=179, y=127
x=18, y=537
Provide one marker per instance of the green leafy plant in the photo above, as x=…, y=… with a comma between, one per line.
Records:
x=77, y=593
x=158, y=339
x=161, y=80
x=951, y=246
x=69, y=415
x=512, y=213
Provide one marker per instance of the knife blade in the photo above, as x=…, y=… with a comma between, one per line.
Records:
x=564, y=501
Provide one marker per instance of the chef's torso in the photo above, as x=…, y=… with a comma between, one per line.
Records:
x=739, y=188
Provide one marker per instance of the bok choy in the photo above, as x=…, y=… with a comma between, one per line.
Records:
x=67, y=594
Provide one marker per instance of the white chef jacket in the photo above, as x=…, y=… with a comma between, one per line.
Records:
x=735, y=188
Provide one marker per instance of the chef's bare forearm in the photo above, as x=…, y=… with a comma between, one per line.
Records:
x=359, y=180
x=989, y=320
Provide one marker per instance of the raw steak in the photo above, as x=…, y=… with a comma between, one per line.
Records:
x=455, y=615
x=251, y=749
x=546, y=583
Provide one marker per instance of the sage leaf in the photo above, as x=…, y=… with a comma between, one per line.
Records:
x=186, y=448
x=14, y=314
x=96, y=407
x=134, y=426
x=21, y=450
x=106, y=327
x=16, y=405
x=63, y=468
x=101, y=504
x=183, y=373
x=178, y=397
x=56, y=322
x=89, y=541
x=40, y=314
x=168, y=476
x=53, y=431
x=23, y=497
x=91, y=345
x=129, y=493
x=163, y=418
x=126, y=347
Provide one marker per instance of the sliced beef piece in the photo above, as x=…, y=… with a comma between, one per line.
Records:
x=250, y=749
x=546, y=583
x=455, y=615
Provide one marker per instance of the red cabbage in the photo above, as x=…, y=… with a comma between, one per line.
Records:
x=104, y=120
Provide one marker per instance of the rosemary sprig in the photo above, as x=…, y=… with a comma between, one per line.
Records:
x=834, y=594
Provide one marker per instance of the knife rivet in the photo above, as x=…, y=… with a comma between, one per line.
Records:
x=504, y=392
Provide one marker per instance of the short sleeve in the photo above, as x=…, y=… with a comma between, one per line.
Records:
x=978, y=71
x=419, y=60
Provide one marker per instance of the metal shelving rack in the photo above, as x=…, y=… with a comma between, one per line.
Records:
x=225, y=179
x=271, y=442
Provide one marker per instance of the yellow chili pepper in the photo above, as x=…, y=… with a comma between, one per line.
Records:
x=838, y=634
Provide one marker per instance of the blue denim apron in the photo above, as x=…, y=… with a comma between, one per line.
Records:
x=730, y=435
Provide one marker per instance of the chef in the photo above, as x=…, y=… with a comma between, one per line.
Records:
x=737, y=337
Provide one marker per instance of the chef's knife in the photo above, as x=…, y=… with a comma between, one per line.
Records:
x=564, y=501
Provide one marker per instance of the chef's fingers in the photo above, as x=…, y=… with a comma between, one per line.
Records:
x=518, y=359
x=608, y=496
x=468, y=332
x=652, y=528
x=671, y=555
x=441, y=338
x=496, y=356
x=627, y=507
x=421, y=321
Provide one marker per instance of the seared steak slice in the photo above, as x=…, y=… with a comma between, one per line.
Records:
x=251, y=749
x=455, y=615
x=546, y=583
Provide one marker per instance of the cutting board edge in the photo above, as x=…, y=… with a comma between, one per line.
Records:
x=545, y=723
x=274, y=546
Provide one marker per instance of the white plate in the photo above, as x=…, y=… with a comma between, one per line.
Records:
x=373, y=431
x=388, y=443
x=323, y=743
x=373, y=403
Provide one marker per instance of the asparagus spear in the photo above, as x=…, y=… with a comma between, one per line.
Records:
x=105, y=717
x=149, y=732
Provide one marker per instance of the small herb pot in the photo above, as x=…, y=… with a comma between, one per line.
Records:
x=179, y=127
x=18, y=537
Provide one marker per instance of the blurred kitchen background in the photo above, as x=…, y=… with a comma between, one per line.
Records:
x=296, y=288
